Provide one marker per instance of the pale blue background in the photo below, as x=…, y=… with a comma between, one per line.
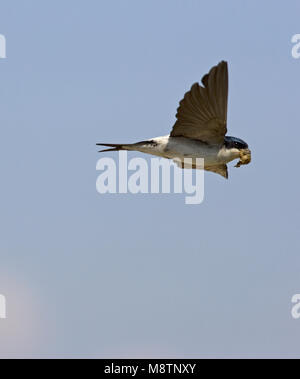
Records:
x=87, y=275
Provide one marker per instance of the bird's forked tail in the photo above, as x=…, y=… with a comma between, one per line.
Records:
x=113, y=146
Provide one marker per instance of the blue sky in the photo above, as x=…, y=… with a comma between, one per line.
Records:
x=146, y=275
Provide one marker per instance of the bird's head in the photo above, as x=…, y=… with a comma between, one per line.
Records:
x=238, y=146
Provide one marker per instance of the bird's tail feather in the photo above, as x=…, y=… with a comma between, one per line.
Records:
x=113, y=146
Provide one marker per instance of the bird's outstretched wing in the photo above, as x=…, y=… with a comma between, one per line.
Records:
x=202, y=114
x=220, y=169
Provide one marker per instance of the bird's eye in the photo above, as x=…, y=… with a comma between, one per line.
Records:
x=232, y=142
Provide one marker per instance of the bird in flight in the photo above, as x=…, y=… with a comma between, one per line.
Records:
x=200, y=129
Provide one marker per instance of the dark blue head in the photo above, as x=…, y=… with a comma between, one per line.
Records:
x=233, y=142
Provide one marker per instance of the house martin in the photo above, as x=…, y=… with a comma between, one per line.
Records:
x=200, y=129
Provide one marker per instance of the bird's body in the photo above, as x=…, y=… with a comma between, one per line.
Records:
x=181, y=147
x=200, y=129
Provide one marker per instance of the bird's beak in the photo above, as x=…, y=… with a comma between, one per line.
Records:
x=245, y=157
